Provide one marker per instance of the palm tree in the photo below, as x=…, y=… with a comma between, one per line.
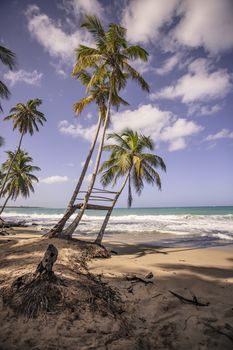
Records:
x=25, y=118
x=8, y=59
x=112, y=54
x=98, y=93
x=129, y=160
x=20, y=180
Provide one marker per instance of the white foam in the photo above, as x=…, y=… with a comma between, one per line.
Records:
x=219, y=226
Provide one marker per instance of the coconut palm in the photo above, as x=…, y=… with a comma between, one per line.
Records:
x=98, y=94
x=8, y=59
x=20, y=180
x=128, y=159
x=111, y=54
x=25, y=118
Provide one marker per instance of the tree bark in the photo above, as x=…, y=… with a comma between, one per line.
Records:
x=57, y=229
x=107, y=217
x=68, y=232
x=46, y=264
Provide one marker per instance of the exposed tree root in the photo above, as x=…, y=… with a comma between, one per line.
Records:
x=43, y=291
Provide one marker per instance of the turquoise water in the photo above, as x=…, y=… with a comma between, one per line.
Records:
x=202, y=225
x=215, y=210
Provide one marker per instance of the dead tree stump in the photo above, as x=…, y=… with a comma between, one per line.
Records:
x=36, y=292
x=46, y=264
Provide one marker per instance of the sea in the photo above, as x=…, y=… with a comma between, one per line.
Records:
x=189, y=226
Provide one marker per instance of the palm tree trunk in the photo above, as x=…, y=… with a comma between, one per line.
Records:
x=57, y=229
x=8, y=172
x=107, y=217
x=71, y=228
x=3, y=207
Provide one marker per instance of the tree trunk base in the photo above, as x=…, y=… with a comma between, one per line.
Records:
x=36, y=292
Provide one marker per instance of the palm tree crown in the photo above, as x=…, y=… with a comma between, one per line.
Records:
x=20, y=180
x=128, y=158
x=25, y=117
x=112, y=54
x=97, y=93
x=7, y=57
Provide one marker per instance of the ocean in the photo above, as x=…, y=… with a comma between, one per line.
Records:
x=166, y=226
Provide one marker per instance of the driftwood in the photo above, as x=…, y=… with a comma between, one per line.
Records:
x=193, y=301
x=135, y=279
x=9, y=224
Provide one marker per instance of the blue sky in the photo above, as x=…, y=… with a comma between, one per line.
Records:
x=188, y=112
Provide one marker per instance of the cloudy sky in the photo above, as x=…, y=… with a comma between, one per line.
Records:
x=188, y=112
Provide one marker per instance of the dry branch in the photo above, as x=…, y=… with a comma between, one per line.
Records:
x=193, y=301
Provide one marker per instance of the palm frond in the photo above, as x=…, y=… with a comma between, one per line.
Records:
x=135, y=75
x=136, y=52
x=7, y=57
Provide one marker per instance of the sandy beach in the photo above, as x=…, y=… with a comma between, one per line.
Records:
x=144, y=276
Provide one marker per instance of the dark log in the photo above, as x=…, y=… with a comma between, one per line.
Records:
x=193, y=301
x=46, y=264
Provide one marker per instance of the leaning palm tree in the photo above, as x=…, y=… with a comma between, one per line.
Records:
x=112, y=54
x=20, y=180
x=25, y=118
x=98, y=94
x=8, y=59
x=129, y=160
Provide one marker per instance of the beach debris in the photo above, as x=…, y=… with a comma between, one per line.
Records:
x=8, y=224
x=193, y=301
x=227, y=331
x=135, y=279
x=149, y=275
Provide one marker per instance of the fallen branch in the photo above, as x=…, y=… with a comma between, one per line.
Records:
x=193, y=301
x=135, y=279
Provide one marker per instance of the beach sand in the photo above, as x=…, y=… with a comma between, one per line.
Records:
x=152, y=317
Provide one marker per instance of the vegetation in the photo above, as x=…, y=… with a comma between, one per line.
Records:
x=21, y=178
x=111, y=55
x=25, y=118
x=98, y=93
x=129, y=160
x=8, y=59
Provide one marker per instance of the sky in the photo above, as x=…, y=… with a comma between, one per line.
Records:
x=188, y=111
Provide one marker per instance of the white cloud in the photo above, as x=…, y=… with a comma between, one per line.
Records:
x=88, y=178
x=52, y=37
x=160, y=125
x=77, y=130
x=199, y=84
x=177, y=132
x=168, y=65
x=89, y=7
x=31, y=78
x=55, y=179
x=223, y=134
x=144, y=19
x=203, y=109
x=206, y=23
